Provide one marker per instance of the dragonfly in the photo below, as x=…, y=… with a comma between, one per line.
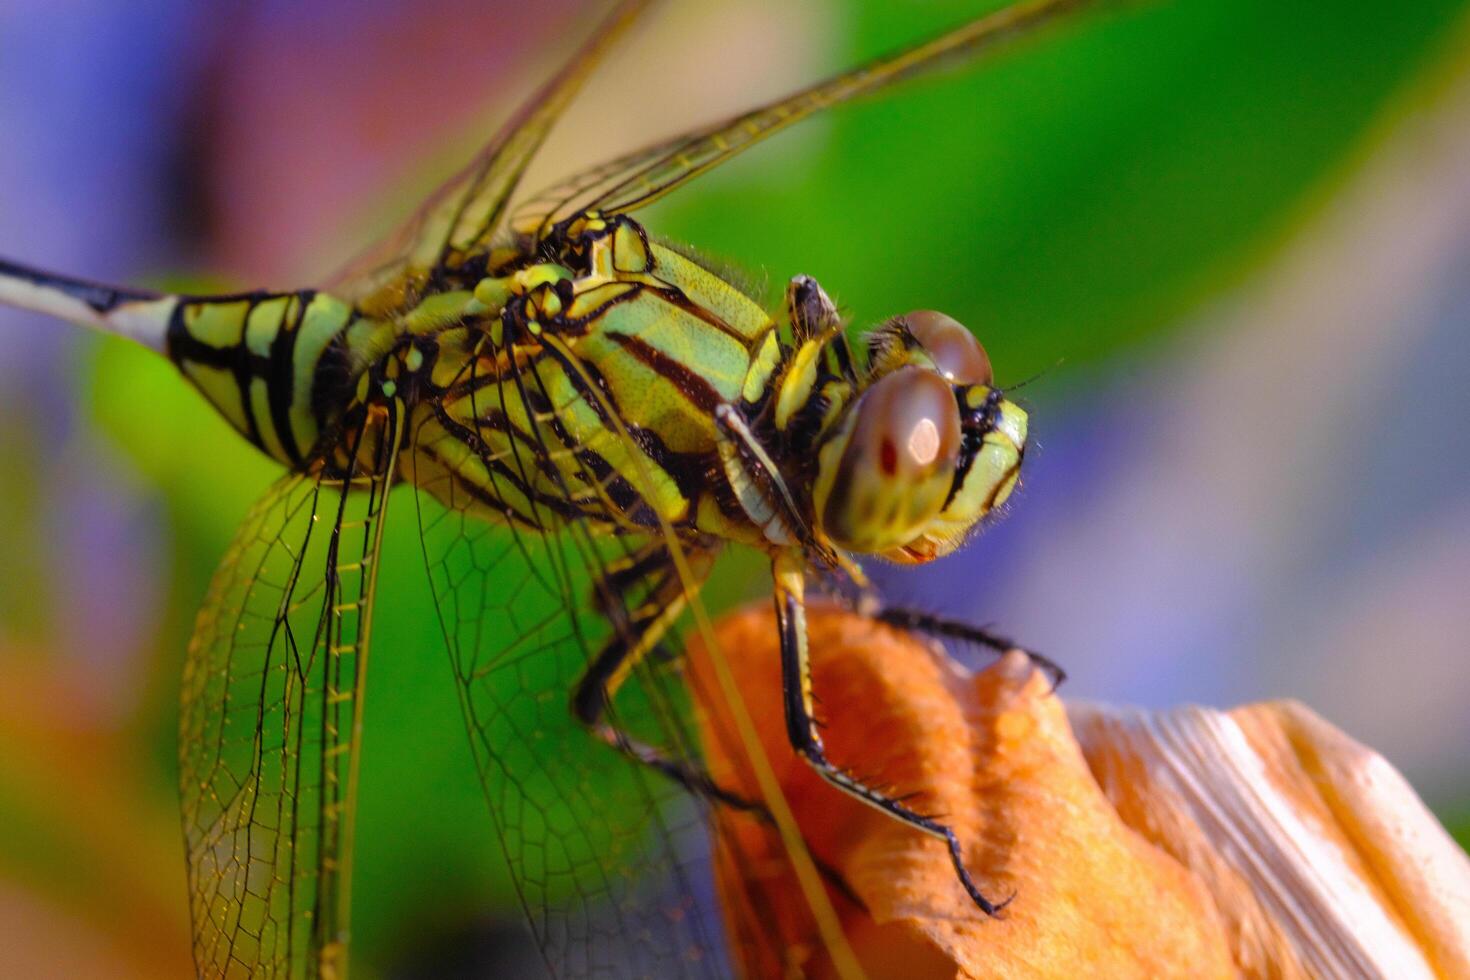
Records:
x=583, y=416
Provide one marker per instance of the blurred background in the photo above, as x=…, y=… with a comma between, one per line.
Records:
x=1229, y=241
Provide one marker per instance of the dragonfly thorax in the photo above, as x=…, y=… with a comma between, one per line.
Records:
x=582, y=382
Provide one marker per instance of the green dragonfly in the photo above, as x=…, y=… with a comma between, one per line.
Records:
x=586, y=415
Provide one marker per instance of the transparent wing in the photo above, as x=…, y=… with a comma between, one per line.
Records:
x=466, y=210
x=638, y=179
x=268, y=736
x=610, y=857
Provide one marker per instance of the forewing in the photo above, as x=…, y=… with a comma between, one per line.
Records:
x=466, y=211
x=639, y=179
x=269, y=735
x=609, y=856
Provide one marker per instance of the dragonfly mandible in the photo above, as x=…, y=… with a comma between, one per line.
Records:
x=586, y=414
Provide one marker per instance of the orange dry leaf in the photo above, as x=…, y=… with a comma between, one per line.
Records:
x=1259, y=842
x=991, y=754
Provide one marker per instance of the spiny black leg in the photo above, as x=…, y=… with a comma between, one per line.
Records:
x=922, y=622
x=693, y=779
x=635, y=637
x=801, y=729
x=590, y=700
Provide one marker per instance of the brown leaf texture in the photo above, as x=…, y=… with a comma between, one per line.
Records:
x=1119, y=861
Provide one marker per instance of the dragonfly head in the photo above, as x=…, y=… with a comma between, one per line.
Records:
x=927, y=449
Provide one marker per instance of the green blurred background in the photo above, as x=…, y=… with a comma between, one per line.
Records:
x=1232, y=238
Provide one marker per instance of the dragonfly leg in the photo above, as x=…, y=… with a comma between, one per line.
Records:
x=801, y=726
x=923, y=622
x=593, y=695
x=638, y=633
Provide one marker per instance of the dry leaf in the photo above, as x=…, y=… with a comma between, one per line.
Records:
x=1260, y=842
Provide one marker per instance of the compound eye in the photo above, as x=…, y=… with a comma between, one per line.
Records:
x=897, y=462
x=956, y=352
x=908, y=425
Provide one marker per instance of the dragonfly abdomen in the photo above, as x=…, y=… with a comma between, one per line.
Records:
x=135, y=313
x=278, y=366
x=270, y=363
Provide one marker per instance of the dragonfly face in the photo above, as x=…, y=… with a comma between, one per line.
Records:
x=925, y=452
x=584, y=415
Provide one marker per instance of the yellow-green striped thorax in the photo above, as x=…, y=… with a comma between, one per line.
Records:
x=617, y=379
